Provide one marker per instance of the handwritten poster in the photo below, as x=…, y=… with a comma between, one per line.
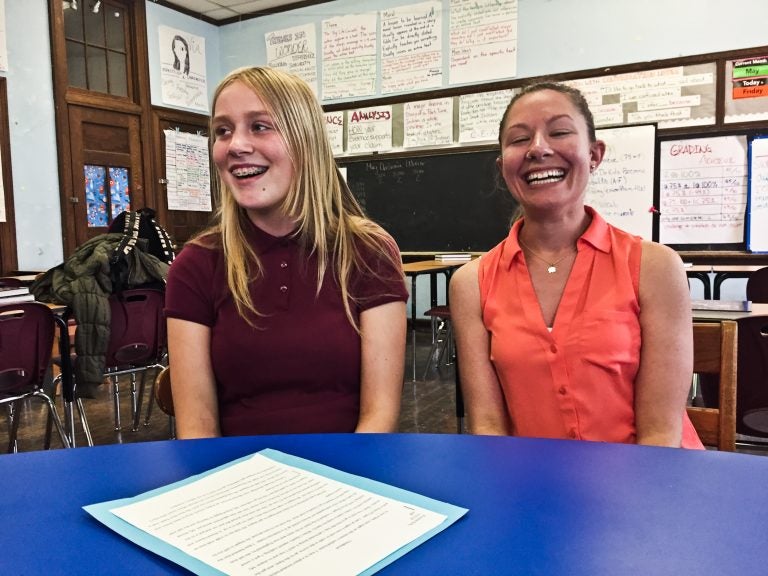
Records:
x=411, y=47
x=334, y=126
x=621, y=189
x=757, y=236
x=670, y=97
x=349, y=56
x=187, y=171
x=182, y=69
x=703, y=190
x=428, y=123
x=480, y=114
x=369, y=129
x=294, y=50
x=483, y=40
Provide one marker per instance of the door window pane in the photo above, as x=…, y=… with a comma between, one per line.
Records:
x=117, y=74
x=73, y=23
x=96, y=59
x=106, y=198
x=94, y=27
x=119, y=190
x=95, y=197
x=76, y=65
x=115, y=29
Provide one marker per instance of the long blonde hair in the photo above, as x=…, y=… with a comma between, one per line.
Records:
x=329, y=219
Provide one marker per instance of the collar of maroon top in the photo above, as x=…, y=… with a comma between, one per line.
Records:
x=263, y=242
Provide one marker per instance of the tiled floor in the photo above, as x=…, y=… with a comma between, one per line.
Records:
x=428, y=406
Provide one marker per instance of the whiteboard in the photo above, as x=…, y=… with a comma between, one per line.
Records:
x=703, y=190
x=621, y=189
x=757, y=223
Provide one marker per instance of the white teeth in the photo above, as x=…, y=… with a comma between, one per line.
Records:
x=252, y=171
x=545, y=176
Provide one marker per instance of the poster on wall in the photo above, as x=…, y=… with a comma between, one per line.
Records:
x=3, y=46
x=294, y=50
x=349, y=56
x=750, y=78
x=182, y=69
x=479, y=115
x=369, y=129
x=483, y=40
x=411, y=47
x=703, y=190
x=187, y=171
x=334, y=126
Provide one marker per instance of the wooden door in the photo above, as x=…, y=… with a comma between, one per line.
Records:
x=180, y=224
x=107, y=170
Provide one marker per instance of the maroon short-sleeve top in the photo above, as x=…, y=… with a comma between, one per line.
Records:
x=298, y=369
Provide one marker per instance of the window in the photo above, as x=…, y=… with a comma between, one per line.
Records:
x=106, y=198
x=95, y=34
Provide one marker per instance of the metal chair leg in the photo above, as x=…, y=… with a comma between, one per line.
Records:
x=84, y=421
x=116, y=400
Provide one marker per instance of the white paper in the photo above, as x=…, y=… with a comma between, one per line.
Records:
x=334, y=126
x=260, y=516
x=369, y=129
x=187, y=171
x=182, y=69
x=480, y=114
x=294, y=50
x=411, y=47
x=758, y=197
x=703, y=190
x=428, y=123
x=349, y=56
x=483, y=40
x=621, y=189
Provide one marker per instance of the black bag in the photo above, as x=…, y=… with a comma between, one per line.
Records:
x=137, y=227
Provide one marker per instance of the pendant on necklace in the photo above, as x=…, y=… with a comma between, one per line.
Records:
x=551, y=269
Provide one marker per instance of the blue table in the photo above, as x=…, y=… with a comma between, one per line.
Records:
x=535, y=506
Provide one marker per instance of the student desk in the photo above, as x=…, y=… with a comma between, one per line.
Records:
x=431, y=268
x=758, y=309
x=554, y=507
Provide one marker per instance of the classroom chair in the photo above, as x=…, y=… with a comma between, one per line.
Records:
x=163, y=395
x=442, y=338
x=715, y=353
x=26, y=341
x=752, y=387
x=757, y=286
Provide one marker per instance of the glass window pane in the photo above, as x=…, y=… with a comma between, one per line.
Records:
x=76, y=65
x=115, y=30
x=119, y=190
x=73, y=24
x=95, y=198
x=97, y=69
x=94, y=24
x=118, y=81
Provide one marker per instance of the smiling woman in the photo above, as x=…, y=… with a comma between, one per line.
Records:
x=570, y=328
x=288, y=315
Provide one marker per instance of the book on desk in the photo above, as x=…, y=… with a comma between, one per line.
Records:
x=456, y=256
x=15, y=295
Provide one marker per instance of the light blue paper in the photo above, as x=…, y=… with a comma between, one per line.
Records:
x=102, y=511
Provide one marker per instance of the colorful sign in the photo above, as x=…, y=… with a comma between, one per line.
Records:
x=750, y=78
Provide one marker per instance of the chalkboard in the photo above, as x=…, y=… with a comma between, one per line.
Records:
x=449, y=202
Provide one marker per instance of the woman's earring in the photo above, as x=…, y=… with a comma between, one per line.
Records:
x=592, y=166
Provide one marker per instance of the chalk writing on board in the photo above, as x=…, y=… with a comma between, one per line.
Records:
x=621, y=189
x=703, y=190
x=757, y=239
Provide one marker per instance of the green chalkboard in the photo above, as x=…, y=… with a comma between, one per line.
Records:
x=437, y=203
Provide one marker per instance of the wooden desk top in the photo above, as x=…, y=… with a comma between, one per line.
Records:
x=424, y=266
x=703, y=315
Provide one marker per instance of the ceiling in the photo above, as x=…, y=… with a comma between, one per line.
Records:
x=226, y=11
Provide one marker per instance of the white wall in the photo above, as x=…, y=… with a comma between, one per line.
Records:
x=33, y=135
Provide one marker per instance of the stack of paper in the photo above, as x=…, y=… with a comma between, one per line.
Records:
x=463, y=256
x=15, y=294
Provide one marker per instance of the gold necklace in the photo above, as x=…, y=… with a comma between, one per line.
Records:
x=551, y=266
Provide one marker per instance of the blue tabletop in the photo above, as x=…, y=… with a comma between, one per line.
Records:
x=549, y=507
